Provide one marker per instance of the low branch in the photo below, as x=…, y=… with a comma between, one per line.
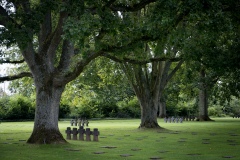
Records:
x=141, y=62
x=14, y=77
x=12, y=62
x=175, y=69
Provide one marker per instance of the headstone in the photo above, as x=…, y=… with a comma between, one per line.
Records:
x=180, y=119
x=95, y=134
x=86, y=121
x=165, y=119
x=75, y=122
x=81, y=132
x=169, y=120
x=173, y=119
x=79, y=122
x=71, y=122
x=68, y=131
x=88, y=134
x=83, y=122
x=177, y=119
x=74, y=132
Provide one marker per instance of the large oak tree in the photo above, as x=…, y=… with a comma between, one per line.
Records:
x=57, y=39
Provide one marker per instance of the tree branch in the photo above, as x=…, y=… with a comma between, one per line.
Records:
x=12, y=62
x=175, y=70
x=14, y=77
x=140, y=62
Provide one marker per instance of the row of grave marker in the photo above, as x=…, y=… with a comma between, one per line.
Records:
x=236, y=116
x=79, y=122
x=178, y=119
x=72, y=134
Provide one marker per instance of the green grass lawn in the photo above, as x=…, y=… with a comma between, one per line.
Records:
x=180, y=141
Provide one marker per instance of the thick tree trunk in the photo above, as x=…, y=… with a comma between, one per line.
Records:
x=203, y=101
x=46, y=129
x=162, y=108
x=148, y=113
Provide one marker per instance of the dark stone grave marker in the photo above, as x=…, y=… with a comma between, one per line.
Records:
x=125, y=155
x=169, y=120
x=95, y=134
x=205, y=139
x=74, y=132
x=22, y=140
x=156, y=158
x=163, y=151
x=165, y=119
x=99, y=152
x=109, y=147
x=228, y=157
x=68, y=131
x=173, y=119
x=79, y=122
x=136, y=149
x=71, y=122
x=139, y=139
x=81, y=132
x=180, y=119
x=88, y=134
x=71, y=149
x=86, y=121
x=75, y=122
x=9, y=139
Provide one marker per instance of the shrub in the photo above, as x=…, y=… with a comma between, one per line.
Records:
x=64, y=111
x=129, y=109
x=215, y=111
x=20, y=107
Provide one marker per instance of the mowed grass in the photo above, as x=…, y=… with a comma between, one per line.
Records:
x=177, y=141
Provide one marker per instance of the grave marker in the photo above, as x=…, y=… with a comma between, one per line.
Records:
x=71, y=122
x=81, y=132
x=68, y=131
x=74, y=132
x=88, y=134
x=95, y=134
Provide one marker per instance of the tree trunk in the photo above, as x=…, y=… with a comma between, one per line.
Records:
x=148, y=113
x=46, y=129
x=203, y=100
x=162, y=107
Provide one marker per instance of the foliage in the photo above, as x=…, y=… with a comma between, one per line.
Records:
x=16, y=107
x=129, y=109
x=64, y=111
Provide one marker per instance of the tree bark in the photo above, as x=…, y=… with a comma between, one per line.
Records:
x=46, y=129
x=162, y=109
x=203, y=99
x=148, y=112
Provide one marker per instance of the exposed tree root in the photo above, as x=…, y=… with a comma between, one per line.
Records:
x=204, y=118
x=44, y=136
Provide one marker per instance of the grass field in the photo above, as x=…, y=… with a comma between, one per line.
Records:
x=177, y=141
